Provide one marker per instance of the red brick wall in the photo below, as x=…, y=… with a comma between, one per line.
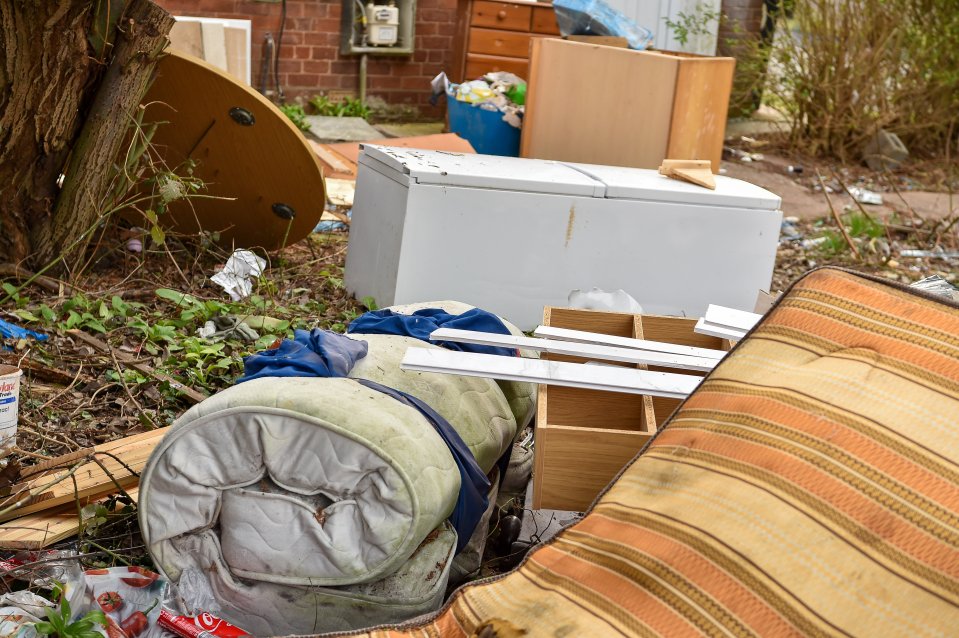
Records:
x=310, y=59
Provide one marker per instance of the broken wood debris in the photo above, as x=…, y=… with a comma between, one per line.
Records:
x=697, y=172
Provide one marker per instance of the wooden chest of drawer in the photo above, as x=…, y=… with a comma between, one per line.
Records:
x=495, y=36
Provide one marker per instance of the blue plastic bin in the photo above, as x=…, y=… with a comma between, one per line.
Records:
x=484, y=130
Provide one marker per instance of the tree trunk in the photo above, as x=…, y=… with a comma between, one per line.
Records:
x=141, y=38
x=46, y=77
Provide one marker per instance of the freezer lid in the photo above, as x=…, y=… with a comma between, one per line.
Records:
x=483, y=171
x=649, y=185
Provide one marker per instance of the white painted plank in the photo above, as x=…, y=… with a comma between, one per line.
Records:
x=581, y=336
x=576, y=375
x=732, y=318
x=704, y=327
x=571, y=349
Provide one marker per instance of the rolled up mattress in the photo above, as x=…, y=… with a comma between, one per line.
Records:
x=475, y=407
x=521, y=396
x=289, y=486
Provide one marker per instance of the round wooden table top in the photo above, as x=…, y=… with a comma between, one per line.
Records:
x=243, y=148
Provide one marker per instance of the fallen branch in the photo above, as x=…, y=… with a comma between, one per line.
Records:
x=835, y=216
x=50, y=284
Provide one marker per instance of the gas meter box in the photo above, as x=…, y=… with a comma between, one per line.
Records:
x=384, y=28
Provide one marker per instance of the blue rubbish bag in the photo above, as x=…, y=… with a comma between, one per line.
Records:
x=595, y=17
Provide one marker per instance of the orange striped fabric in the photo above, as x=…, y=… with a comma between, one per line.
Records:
x=809, y=487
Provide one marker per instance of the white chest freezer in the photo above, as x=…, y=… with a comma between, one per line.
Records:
x=512, y=235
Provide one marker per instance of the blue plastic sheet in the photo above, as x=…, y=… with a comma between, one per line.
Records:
x=318, y=353
x=321, y=353
x=422, y=323
x=13, y=331
x=595, y=17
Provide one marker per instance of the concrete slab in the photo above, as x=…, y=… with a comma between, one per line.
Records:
x=412, y=129
x=341, y=129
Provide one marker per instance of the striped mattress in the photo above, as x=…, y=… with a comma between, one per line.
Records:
x=809, y=487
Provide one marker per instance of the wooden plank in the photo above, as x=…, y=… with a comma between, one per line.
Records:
x=622, y=105
x=36, y=531
x=56, y=462
x=237, y=45
x=700, y=107
x=128, y=360
x=573, y=349
x=496, y=42
x=731, y=317
x=581, y=336
x=450, y=142
x=595, y=377
x=699, y=176
x=214, y=44
x=91, y=480
x=649, y=409
x=704, y=327
x=330, y=158
x=464, y=11
x=479, y=65
x=501, y=15
x=187, y=37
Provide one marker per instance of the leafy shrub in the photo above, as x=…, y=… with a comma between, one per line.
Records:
x=296, y=114
x=347, y=107
x=843, y=70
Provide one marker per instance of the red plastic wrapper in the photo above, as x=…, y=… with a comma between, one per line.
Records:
x=202, y=626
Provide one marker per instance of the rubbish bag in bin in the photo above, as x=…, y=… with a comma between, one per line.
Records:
x=595, y=17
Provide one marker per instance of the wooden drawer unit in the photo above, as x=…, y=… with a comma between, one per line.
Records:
x=585, y=437
x=501, y=15
x=544, y=21
x=491, y=42
x=495, y=36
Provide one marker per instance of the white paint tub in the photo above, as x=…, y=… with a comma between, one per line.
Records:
x=9, y=405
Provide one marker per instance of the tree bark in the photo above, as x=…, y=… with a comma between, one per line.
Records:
x=85, y=198
x=46, y=77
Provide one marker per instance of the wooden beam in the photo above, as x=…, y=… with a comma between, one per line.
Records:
x=92, y=482
x=36, y=531
x=572, y=349
x=581, y=336
x=576, y=375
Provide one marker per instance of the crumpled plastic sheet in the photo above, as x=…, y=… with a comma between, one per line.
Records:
x=236, y=276
x=13, y=331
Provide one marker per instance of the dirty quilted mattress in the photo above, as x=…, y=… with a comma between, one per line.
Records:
x=283, y=495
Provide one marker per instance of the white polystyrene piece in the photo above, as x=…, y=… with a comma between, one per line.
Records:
x=576, y=375
x=581, y=336
x=568, y=348
x=738, y=319
x=704, y=327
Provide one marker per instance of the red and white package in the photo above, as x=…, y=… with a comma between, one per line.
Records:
x=203, y=626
